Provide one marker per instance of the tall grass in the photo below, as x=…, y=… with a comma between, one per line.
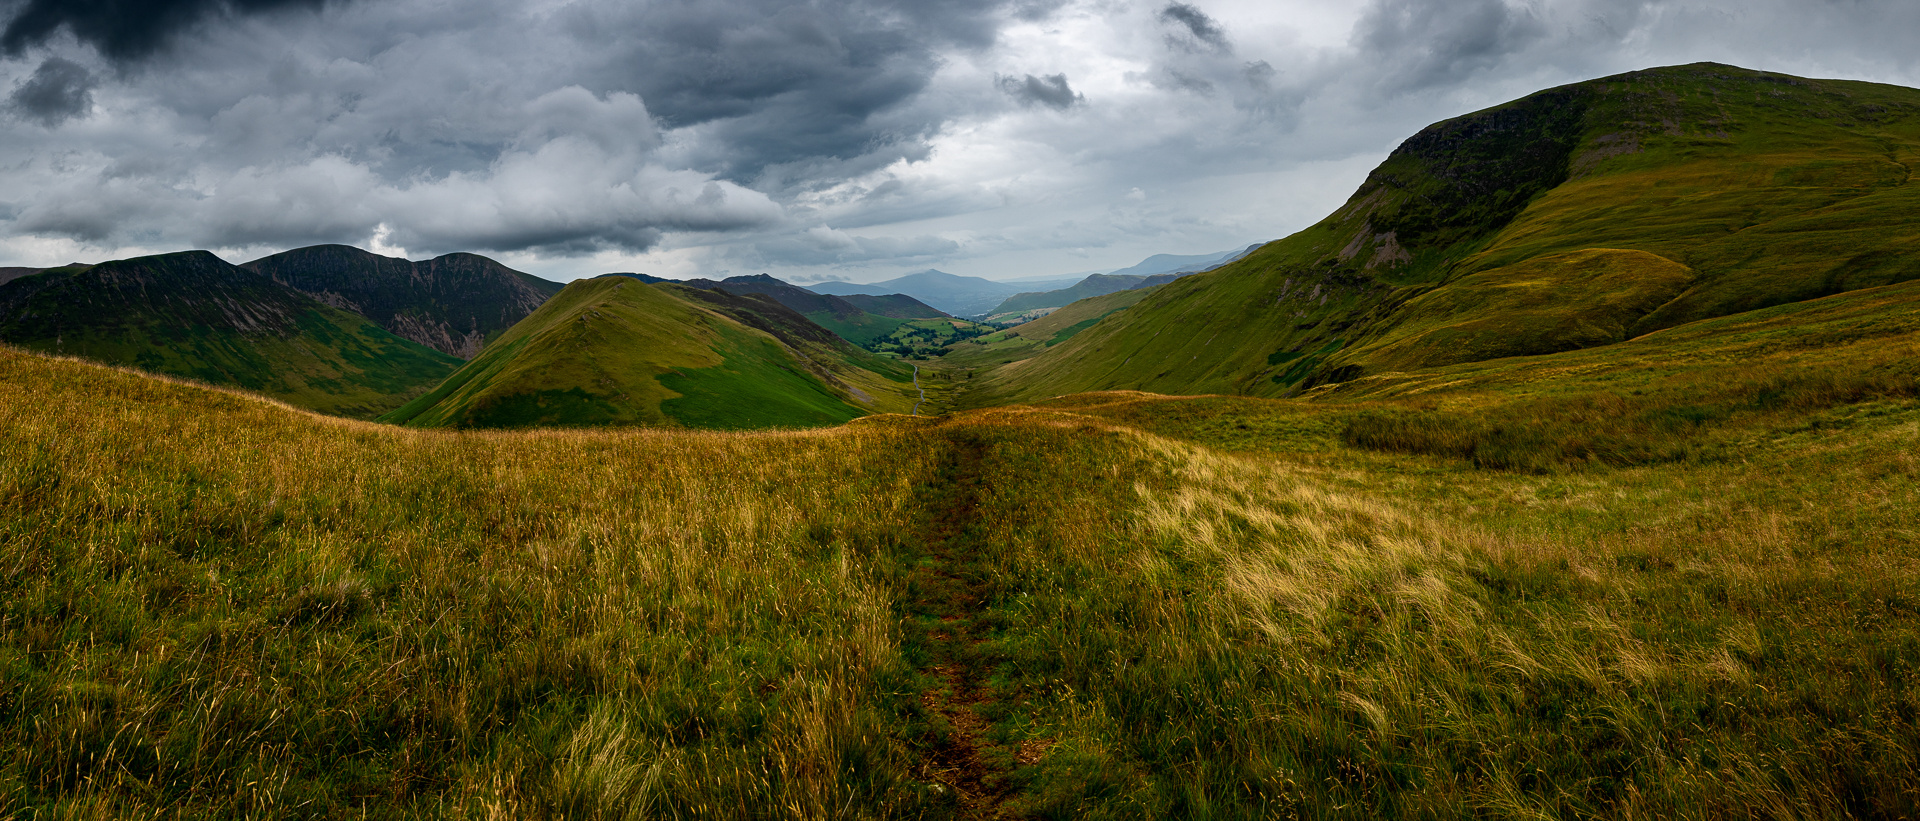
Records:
x=1189, y=634
x=1606, y=428
x=212, y=606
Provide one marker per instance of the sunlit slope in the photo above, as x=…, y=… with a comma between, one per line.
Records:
x=1031, y=338
x=615, y=351
x=1578, y=216
x=191, y=314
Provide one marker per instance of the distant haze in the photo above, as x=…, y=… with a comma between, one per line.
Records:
x=843, y=139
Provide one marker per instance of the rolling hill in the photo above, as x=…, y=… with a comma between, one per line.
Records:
x=1158, y=269
x=616, y=351
x=1094, y=285
x=452, y=303
x=897, y=306
x=1030, y=339
x=191, y=314
x=1576, y=217
x=849, y=320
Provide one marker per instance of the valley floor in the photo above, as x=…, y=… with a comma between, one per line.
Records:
x=1104, y=606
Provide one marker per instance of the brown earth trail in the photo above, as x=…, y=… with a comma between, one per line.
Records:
x=947, y=604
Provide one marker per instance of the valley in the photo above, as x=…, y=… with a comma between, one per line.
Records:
x=1569, y=469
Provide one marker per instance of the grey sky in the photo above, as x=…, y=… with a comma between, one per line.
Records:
x=837, y=138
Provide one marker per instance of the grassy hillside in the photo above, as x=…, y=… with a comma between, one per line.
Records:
x=846, y=318
x=926, y=338
x=615, y=351
x=897, y=306
x=452, y=303
x=1030, y=339
x=190, y=314
x=1094, y=285
x=1675, y=581
x=1578, y=216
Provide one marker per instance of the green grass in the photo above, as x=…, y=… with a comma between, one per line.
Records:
x=865, y=329
x=755, y=388
x=1576, y=217
x=1213, y=606
x=1029, y=339
x=618, y=352
x=924, y=338
x=191, y=315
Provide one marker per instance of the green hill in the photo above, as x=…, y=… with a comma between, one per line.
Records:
x=1030, y=339
x=452, y=303
x=1578, y=216
x=615, y=351
x=836, y=314
x=1094, y=285
x=897, y=306
x=190, y=314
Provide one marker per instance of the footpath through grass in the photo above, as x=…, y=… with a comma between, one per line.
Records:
x=1119, y=606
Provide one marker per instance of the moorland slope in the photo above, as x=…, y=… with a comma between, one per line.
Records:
x=616, y=351
x=190, y=314
x=452, y=303
x=1674, y=581
x=1579, y=216
x=843, y=316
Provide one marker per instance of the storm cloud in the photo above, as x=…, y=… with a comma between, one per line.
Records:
x=1051, y=91
x=1197, y=29
x=846, y=138
x=125, y=29
x=58, y=91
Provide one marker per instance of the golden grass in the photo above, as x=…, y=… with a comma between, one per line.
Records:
x=218, y=606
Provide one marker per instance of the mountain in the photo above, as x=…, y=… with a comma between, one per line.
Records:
x=1176, y=263
x=1575, y=217
x=1158, y=269
x=193, y=315
x=956, y=295
x=10, y=274
x=1048, y=282
x=1094, y=285
x=616, y=351
x=840, y=315
x=897, y=306
x=452, y=303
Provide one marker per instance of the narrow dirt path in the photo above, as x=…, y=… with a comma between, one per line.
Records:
x=948, y=601
x=916, y=386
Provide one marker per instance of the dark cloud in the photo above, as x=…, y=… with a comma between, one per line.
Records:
x=1419, y=44
x=772, y=83
x=124, y=30
x=1173, y=79
x=1199, y=30
x=1051, y=91
x=1260, y=75
x=59, y=90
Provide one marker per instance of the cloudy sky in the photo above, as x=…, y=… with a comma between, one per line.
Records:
x=854, y=139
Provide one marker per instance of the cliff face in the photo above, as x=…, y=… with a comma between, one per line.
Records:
x=453, y=303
